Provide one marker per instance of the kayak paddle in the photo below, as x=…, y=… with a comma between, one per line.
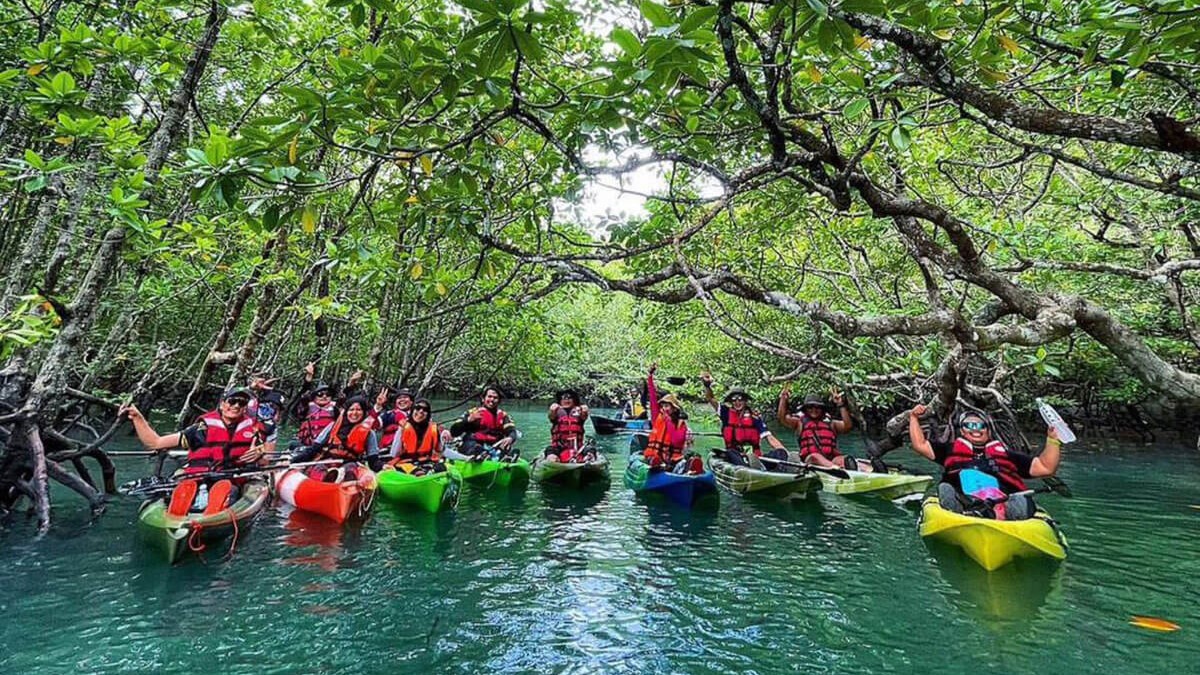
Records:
x=836, y=473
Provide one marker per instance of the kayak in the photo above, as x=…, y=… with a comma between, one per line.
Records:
x=489, y=472
x=341, y=501
x=891, y=485
x=751, y=482
x=683, y=489
x=175, y=536
x=607, y=426
x=574, y=474
x=431, y=492
x=993, y=543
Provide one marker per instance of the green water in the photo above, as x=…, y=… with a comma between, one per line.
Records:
x=543, y=581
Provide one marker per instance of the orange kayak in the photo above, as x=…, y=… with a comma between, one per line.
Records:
x=342, y=501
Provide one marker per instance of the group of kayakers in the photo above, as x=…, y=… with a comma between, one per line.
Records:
x=339, y=433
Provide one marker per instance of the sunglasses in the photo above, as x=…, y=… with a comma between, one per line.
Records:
x=974, y=426
x=735, y=399
x=322, y=394
x=239, y=402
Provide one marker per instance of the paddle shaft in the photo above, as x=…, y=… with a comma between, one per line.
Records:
x=836, y=473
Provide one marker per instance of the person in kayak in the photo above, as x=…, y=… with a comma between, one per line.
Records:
x=817, y=433
x=220, y=440
x=974, y=447
x=417, y=448
x=635, y=406
x=567, y=417
x=486, y=427
x=742, y=429
x=266, y=405
x=667, y=446
x=391, y=411
x=351, y=438
x=318, y=407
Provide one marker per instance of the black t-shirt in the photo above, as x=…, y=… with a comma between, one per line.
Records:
x=942, y=449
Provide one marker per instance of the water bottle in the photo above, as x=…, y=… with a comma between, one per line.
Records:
x=201, y=500
x=1052, y=419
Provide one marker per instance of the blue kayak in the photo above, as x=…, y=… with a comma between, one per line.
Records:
x=683, y=489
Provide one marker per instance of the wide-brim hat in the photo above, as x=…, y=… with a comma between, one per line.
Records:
x=567, y=392
x=737, y=391
x=671, y=399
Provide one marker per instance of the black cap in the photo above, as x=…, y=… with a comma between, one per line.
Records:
x=813, y=400
x=404, y=391
x=321, y=386
x=237, y=391
x=567, y=392
x=737, y=391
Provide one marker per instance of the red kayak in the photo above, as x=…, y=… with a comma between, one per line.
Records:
x=341, y=501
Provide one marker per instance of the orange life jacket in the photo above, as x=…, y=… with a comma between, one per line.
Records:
x=355, y=445
x=430, y=446
x=222, y=446
x=667, y=441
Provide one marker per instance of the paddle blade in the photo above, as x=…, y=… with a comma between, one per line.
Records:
x=676, y=380
x=1151, y=623
x=1057, y=486
x=182, y=497
x=218, y=496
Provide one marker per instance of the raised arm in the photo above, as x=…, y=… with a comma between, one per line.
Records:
x=652, y=392
x=846, y=423
x=916, y=435
x=1046, y=463
x=707, y=380
x=785, y=418
x=149, y=438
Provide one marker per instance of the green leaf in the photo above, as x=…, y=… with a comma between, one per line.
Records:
x=527, y=45
x=626, y=40
x=900, y=138
x=1116, y=77
x=656, y=14
x=700, y=17
x=494, y=53
x=358, y=15
x=1139, y=56
x=855, y=108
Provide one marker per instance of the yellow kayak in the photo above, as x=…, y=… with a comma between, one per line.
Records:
x=993, y=543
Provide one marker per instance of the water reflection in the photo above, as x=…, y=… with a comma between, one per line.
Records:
x=1009, y=597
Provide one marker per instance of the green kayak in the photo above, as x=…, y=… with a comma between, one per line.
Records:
x=574, y=474
x=431, y=492
x=176, y=536
x=489, y=472
x=891, y=485
x=751, y=482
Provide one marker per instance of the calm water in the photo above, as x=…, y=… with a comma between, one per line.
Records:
x=605, y=582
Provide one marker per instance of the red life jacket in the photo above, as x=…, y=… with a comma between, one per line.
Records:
x=491, y=426
x=566, y=431
x=667, y=441
x=388, y=431
x=818, y=437
x=430, y=446
x=741, y=429
x=354, y=447
x=315, y=422
x=222, y=447
x=963, y=455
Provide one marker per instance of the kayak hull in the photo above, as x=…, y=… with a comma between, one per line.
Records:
x=492, y=472
x=683, y=489
x=432, y=492
x=993, y=543
x=607, y=426
x=175, y=537
x=571, y=474
x=892, y=485
x=750, y=482
x=340, y=502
